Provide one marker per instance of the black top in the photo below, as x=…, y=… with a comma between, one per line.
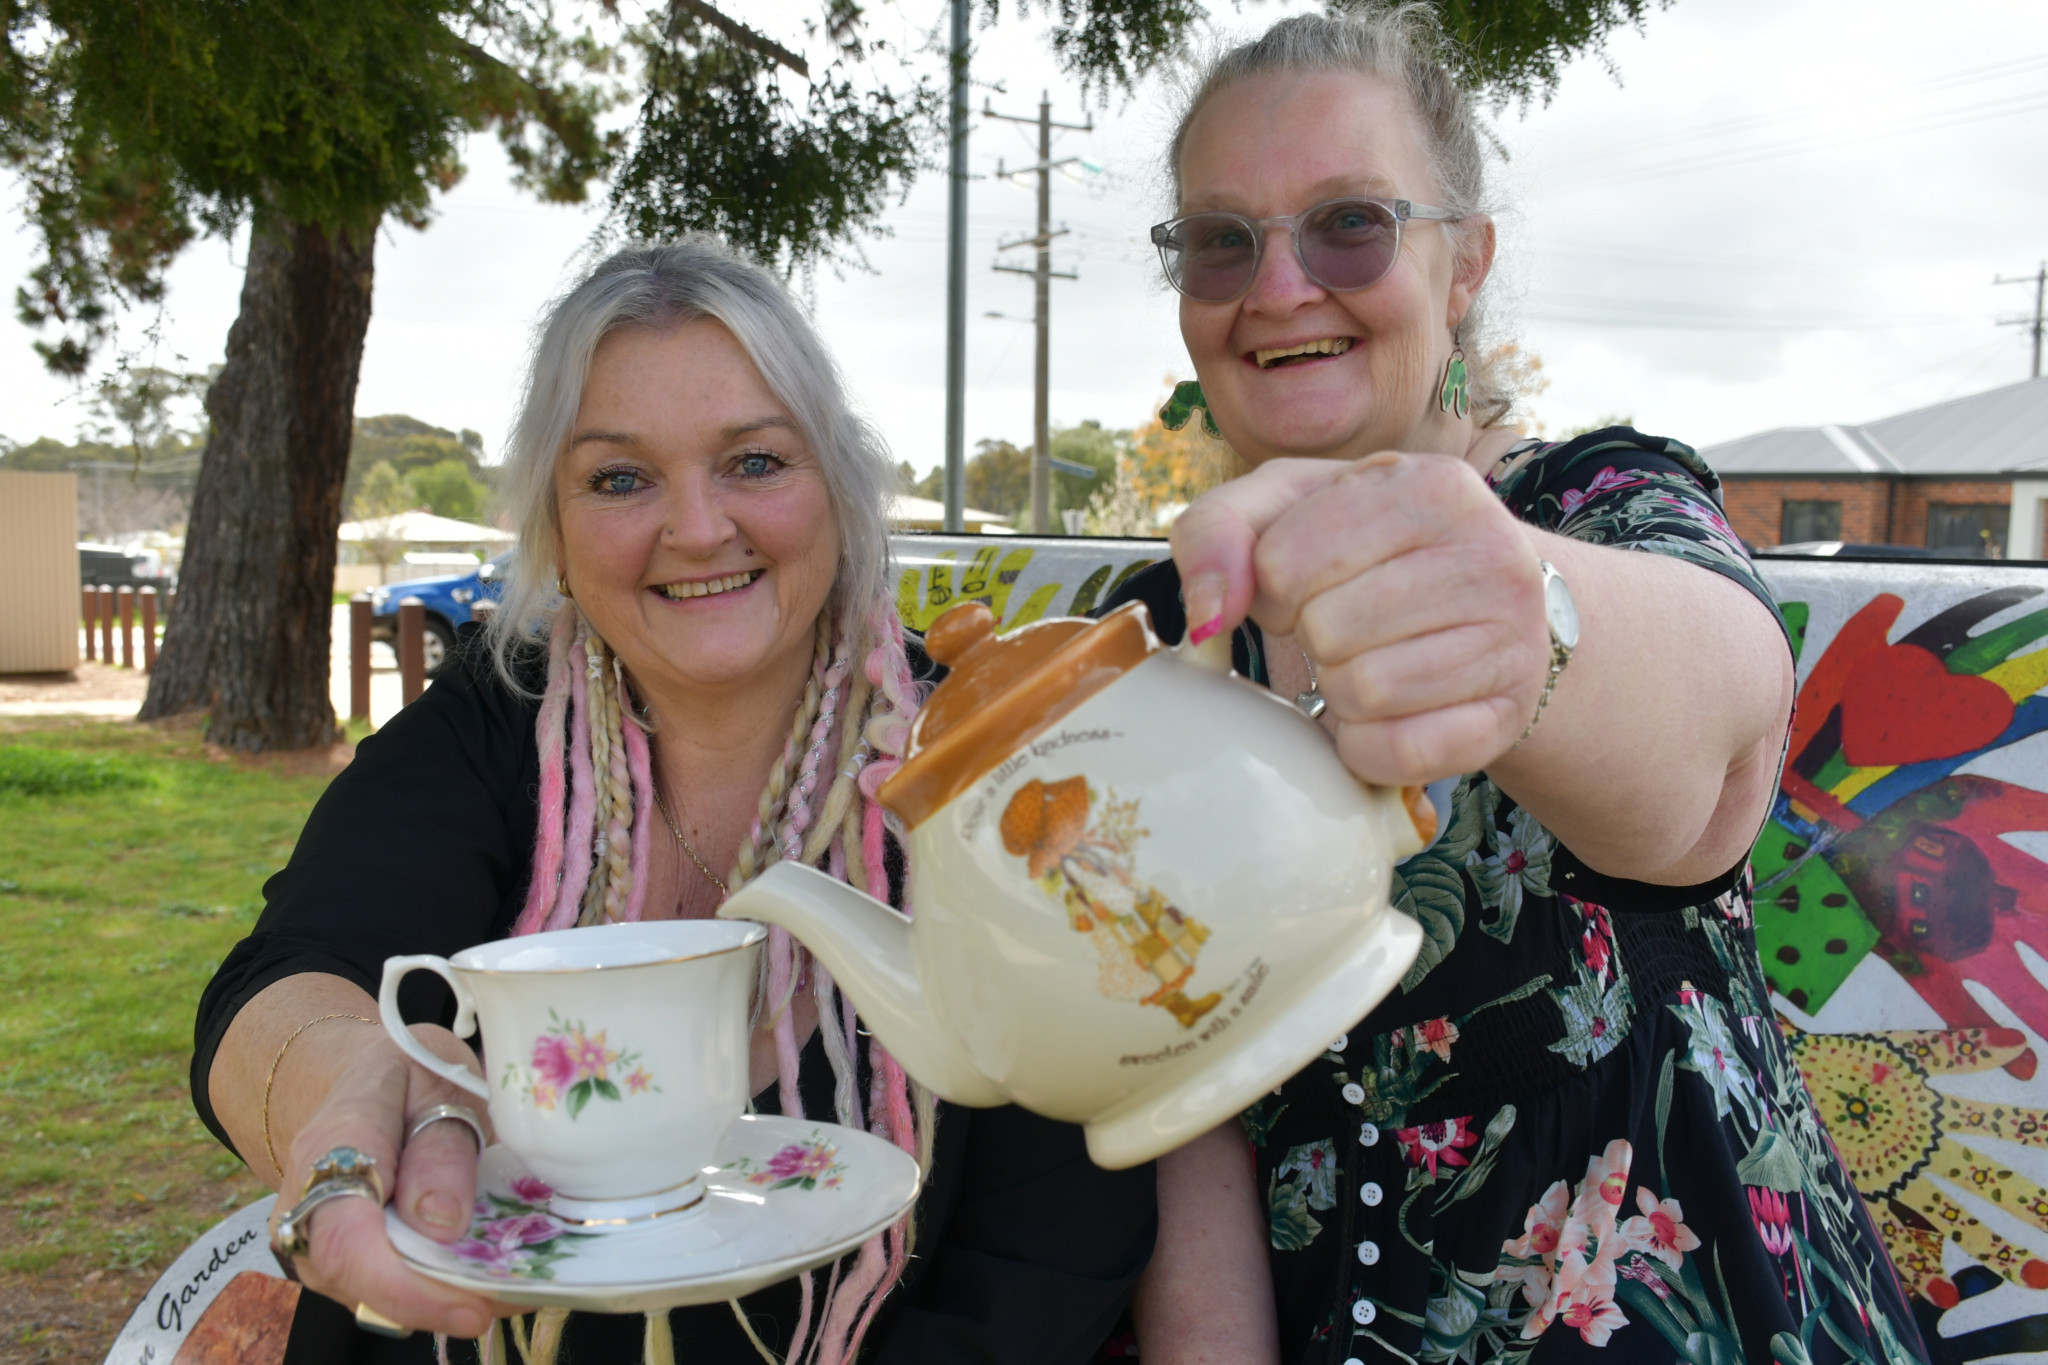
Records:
x=1026, y=1251
x=1574, y=1131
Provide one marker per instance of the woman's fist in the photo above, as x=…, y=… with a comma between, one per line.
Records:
x=1416, y=593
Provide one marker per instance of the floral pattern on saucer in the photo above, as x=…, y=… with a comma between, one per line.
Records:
x=517, y=1236
x=741, y=1237
x=572, y=1066
x=804, y=1165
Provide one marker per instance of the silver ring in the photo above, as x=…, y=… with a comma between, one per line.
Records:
x=293, y=1236
x=456, y=1112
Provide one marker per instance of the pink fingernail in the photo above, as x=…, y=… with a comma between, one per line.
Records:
x=1204, y=631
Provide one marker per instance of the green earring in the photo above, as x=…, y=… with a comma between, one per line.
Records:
x=1457, y=387
x=1187, y=396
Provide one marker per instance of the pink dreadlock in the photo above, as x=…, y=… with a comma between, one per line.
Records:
x=590, y=863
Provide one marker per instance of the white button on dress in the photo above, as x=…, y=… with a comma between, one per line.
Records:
x=1343, y=1041
x=1368, y=1253
x=1371, y=1193
x=1363, y=1312
x=1369, y=1134
x=1354, y=1093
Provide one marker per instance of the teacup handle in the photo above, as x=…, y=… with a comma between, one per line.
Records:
x=395, y=969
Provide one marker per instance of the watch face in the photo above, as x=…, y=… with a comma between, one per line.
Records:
x=1561, y=611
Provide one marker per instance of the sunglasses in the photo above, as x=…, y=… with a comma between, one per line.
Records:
x=1343, y=245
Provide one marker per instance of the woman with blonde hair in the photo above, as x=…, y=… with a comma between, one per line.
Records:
x=1573, y=1133
x=696, y=670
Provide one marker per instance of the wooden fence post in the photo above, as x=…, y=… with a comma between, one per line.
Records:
x=107, y=626
x=412, y=650
x=89, y=612
x=148, y=629
x=359, y=621
x=124, y=600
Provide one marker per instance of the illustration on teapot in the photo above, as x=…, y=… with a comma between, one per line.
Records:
x=1146, y=947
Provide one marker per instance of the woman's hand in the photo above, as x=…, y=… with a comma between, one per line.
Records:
x=375, y=1096
x=1416, y=592
x=1420, y=597
x=303, y=1070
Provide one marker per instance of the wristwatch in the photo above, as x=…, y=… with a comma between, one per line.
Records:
x=1561, y=614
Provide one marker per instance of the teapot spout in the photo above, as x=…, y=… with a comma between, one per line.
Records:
x=866, y=947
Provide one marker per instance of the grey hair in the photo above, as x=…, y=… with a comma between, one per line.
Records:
x=661, y=287
x=1404, y=45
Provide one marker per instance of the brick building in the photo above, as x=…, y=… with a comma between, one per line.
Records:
x=1966, y=478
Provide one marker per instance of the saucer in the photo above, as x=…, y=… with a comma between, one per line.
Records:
x=783, y=1196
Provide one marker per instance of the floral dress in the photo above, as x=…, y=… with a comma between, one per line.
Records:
x=1574, y=1131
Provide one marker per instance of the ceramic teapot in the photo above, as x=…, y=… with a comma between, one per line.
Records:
x=1146, y=891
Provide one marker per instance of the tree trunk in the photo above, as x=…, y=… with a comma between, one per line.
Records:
x=250, y=636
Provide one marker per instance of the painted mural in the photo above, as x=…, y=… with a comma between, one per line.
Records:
x=1902, y=913
x=1902, y=890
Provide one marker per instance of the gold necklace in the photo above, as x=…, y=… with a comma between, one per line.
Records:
x=670, y=821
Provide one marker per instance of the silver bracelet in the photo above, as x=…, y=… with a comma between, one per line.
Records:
x=455, y=1113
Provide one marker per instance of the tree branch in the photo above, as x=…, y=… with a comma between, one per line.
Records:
x=741, y=34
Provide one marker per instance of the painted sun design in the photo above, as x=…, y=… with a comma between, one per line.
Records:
x=1897, y=1135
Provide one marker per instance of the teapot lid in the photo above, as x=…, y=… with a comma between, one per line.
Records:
x=1001, y=693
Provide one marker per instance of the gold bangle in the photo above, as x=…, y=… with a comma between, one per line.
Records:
x=268, y=1080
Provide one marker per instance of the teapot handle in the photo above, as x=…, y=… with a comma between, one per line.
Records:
x=1212, y=655
x=1420, y=824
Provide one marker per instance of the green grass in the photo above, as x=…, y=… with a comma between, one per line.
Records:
x=26, y=771
x=131, y=860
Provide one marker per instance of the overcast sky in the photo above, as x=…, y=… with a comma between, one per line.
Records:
x=1786, y=212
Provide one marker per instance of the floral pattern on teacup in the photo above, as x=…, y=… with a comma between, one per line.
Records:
x=571, y=1066
x=803, y=1165
x=517, y=1238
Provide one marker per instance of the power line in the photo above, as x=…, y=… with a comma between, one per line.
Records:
x=1604, y=253
x=1975, y=352
x=1756, y=122
x=1614, y=314
x=2032, y=102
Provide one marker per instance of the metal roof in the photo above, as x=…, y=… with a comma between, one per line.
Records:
x=2004, y=431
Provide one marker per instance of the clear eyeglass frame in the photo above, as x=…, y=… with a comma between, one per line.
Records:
x=1402, y=210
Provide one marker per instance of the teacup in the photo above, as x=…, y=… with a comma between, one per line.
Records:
x=615, y=1056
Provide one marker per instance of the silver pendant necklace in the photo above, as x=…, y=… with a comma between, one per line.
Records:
x=1311, y=702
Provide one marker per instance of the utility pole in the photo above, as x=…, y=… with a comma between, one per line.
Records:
x=1043, y=274
x=2039, y=279
x=956, y=286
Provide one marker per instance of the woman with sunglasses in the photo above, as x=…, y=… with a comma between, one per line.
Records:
x=1574, y=1132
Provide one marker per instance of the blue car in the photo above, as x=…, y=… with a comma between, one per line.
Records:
x=450, y=600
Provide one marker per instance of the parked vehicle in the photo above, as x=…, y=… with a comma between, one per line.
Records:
x=1839, y=549
x=450, y=601
x=110, y=566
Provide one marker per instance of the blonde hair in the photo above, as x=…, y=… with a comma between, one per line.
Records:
x=1405, y=46
x=597, y=786
x=661, y=288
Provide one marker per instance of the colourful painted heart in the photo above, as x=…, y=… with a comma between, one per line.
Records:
x=1904, y=706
